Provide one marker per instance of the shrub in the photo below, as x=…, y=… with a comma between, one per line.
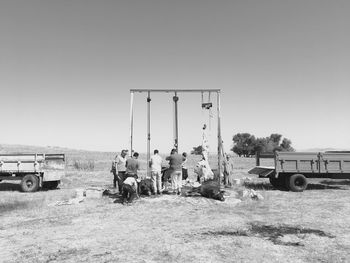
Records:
x=84, y=165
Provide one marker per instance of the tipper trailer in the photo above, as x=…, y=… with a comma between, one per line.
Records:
x=34, y=170
x=293, y=168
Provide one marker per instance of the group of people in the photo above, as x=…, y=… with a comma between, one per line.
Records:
x=125, y=171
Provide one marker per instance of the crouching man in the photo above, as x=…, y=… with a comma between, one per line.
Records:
x=129, y=189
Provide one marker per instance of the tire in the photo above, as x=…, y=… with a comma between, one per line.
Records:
x=30, y=183
x=297, y=183
x=51, y=185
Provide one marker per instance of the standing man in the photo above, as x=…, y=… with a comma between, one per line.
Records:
x=228, y=170
x=175, y=162
x=184, y=167
x=132, y=166
x=119, y=169
x=156, y=171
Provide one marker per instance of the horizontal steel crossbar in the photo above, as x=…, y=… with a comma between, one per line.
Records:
x=175, y=90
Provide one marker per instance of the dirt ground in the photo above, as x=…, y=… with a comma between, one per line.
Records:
x=312, y=226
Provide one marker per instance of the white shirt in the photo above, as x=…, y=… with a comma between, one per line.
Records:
x=184, y=164
x=130, y=181
x=156, y=163
x=120, y=163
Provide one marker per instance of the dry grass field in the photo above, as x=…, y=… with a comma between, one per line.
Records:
x=312, y=226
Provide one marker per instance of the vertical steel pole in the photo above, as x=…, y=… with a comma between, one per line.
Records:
x=131, y=120
x=176, y=124
x=209, y=120
x=148, y=131
x=219, y=135
x=203, y=111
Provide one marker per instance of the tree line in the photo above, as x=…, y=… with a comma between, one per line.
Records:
x=246, y=144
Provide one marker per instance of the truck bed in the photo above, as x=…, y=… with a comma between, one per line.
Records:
x=51, y=166
x=312, y=163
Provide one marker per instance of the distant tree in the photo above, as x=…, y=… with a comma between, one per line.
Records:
x=238, y=150
x=286, y=145
x=197, y=150
x=260, y=145
x=275, y=138
x=246, y=144
x=271, y=146
x=273, y=142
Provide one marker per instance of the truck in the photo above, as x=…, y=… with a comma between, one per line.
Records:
x=36, y=170
x=292, y=169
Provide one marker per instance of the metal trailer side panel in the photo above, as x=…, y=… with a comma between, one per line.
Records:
x=335, y=163
x=294, y=162
x=51, y=166
x=29, y=157
x=21, y=163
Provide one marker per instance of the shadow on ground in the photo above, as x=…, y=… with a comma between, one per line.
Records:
x=16, y=187
x=14, y=206
x=118, y=199
x=259, y=185
x=311, y=186
x=319, y=186
x=336, y=182
x=9, y=187
x=275, y=234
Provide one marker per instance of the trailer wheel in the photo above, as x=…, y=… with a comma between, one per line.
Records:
x=30, y=183
x=297, y=183
x=51, y=184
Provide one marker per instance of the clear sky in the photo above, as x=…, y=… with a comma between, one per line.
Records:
x=66, y=68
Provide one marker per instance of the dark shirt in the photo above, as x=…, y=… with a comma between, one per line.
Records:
x=132, y=165
x=175, y=161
